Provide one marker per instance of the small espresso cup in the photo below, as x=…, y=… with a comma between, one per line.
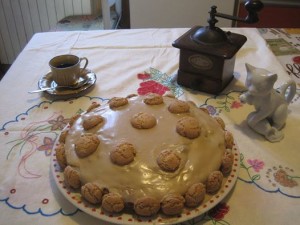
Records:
x=66, y=69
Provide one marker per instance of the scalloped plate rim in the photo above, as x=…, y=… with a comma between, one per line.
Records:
x=129, y=219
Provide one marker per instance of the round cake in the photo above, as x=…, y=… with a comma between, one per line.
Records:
x=151, y=153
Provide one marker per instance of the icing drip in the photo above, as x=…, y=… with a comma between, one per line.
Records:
x=143, y=177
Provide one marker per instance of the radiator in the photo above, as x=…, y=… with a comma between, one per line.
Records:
x=20, y=19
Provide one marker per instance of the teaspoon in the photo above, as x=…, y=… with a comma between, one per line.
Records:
x=76, y=86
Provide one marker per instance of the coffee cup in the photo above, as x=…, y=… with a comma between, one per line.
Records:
x=66, y=69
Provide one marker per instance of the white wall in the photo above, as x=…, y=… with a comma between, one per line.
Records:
x=20, y=19
x=176, y=13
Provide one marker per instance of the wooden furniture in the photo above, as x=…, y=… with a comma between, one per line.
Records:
x=280, y=15
x=106, y=11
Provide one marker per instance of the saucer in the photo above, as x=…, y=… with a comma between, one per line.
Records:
x=47, y=81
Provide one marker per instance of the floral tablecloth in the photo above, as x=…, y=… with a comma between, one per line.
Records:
x=285, y=44
x=267, y=190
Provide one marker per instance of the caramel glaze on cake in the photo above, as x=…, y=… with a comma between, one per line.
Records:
x=166, y=158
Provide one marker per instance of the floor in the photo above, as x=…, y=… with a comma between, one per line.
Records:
x=84, y=22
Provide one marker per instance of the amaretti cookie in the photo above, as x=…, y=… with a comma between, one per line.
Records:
x=72, y=177
x=178, y=106
x=195, y=195
x=146, y=206
x=220, y=121
x=214, y=182
x=172, y=204
x=60, y=155
x=122, y=154
x=92, y=193
x=153, y=99
x=92, y=121
x=117, y=102
x=151, y=154
x=188, y=127
x=229, y=141
x=143, y=120
x=168, y=160
x=227, y=162
x=86, y=145
x=113, y=203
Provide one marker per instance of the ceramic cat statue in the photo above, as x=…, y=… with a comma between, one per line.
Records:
x=271, y=105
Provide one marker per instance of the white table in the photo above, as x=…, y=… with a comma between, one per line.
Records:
x=137, y=61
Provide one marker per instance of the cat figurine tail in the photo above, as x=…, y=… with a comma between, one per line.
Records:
x=271, y=105
x=288, y=90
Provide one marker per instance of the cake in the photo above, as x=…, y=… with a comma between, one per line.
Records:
x=150, y=153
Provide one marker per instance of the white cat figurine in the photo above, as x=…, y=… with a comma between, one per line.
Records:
x=270, y=105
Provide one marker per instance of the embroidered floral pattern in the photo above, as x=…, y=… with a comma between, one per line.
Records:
x=59, y=123
x=226, y=102
x=152, y=87
x=256, y=164
x=218, y=213
x=155, y=81
x=29, y=142
x=212, y=110
x=284, y=179
x=144, y=76
x=279, y=179
x=236, y=104
x=282, y=176
x=47, y=146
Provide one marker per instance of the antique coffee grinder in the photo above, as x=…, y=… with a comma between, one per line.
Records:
x=207, y=54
